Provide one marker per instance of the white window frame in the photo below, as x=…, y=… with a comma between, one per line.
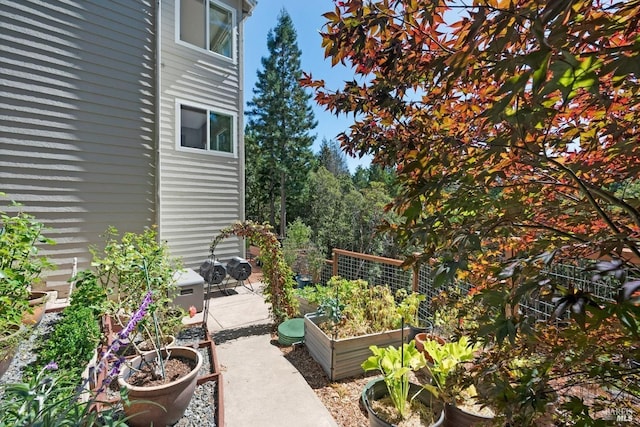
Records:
x=234, y=32
x=207, y=150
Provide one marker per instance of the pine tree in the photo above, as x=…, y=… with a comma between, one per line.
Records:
x=280, y=119
x=332, y=158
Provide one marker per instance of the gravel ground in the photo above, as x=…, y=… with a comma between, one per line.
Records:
x=25, y=354
x=200, y=412
x=202, y=408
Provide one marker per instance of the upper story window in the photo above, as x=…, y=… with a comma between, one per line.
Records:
x=205, y=129
x=209, y=25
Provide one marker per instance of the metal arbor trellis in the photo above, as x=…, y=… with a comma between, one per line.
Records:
x=278, y=276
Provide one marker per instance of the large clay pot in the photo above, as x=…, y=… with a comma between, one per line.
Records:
x=377, y=389
x=163, y=404
x=456, y=417
x=37, y=306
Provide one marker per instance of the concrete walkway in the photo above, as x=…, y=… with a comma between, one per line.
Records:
x=261, y=388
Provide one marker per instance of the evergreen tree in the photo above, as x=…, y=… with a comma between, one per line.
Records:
x=333, y=158
x=280, y=119
x=257, y=185
x=361, y=177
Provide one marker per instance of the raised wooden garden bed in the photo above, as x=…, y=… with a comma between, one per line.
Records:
x=341, y=358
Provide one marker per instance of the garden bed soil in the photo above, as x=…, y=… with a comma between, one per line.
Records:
x=204, y=409
x=174, y=368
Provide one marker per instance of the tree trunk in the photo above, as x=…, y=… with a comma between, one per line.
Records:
x=283, y=206
x=272, y=211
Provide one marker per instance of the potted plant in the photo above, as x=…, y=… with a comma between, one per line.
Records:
x=159, y=384
x=446, y=370
x=20, y=269
x=126, y=268
x=395, y=363
x=160, y=398
x=356, y=317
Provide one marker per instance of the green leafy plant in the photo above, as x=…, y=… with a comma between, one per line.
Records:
x=88, y=293
x=364, y=309
x=409, y=306
x=336, y=287
x=20, y=265
x=72, y=343
x=332, y=308
x=446, y=367
x=122, y=268
x=47, y=400
x=395, y=363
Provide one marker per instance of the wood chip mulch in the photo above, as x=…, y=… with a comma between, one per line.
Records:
x=341, y=398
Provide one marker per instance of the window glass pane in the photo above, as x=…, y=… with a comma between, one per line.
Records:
x=220, y=30
x=221, y=131
x=193, y=127
x=193, y=22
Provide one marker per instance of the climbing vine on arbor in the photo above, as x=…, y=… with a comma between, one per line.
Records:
x=277, y=274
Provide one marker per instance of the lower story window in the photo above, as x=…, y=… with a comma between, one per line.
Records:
x=206, y=130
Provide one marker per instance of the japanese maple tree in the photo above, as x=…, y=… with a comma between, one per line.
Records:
x=510, y=124
x=514, y=129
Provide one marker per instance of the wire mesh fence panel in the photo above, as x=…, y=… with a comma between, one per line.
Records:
x=581, y=276
x=327, y=272
x=385, y=271
x=374, y=270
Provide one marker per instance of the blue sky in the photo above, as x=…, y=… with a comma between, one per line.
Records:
x=307, y=19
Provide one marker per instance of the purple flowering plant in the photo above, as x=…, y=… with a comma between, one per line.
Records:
x=46, y=402
x=122, y=340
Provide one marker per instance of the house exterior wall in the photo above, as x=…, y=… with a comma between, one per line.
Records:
x=200, y=192
x=77, y=119
x=88, y=99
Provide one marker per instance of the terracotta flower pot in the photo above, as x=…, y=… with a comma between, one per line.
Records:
x=37, y=306
x=421, y=338
x=164, y=404
x=424, y=327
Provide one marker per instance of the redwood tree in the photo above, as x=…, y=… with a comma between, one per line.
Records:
x=512, y=126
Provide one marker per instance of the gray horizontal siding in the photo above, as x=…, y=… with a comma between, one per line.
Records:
x=77, y=119
x=199, y=193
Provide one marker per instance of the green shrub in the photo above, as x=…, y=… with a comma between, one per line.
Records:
x=70, y=345
x=88, y=293
x=20, y=265
x=128, y=267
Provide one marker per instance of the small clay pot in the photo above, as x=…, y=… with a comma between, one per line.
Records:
x=37, y=302
x=420, y=340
